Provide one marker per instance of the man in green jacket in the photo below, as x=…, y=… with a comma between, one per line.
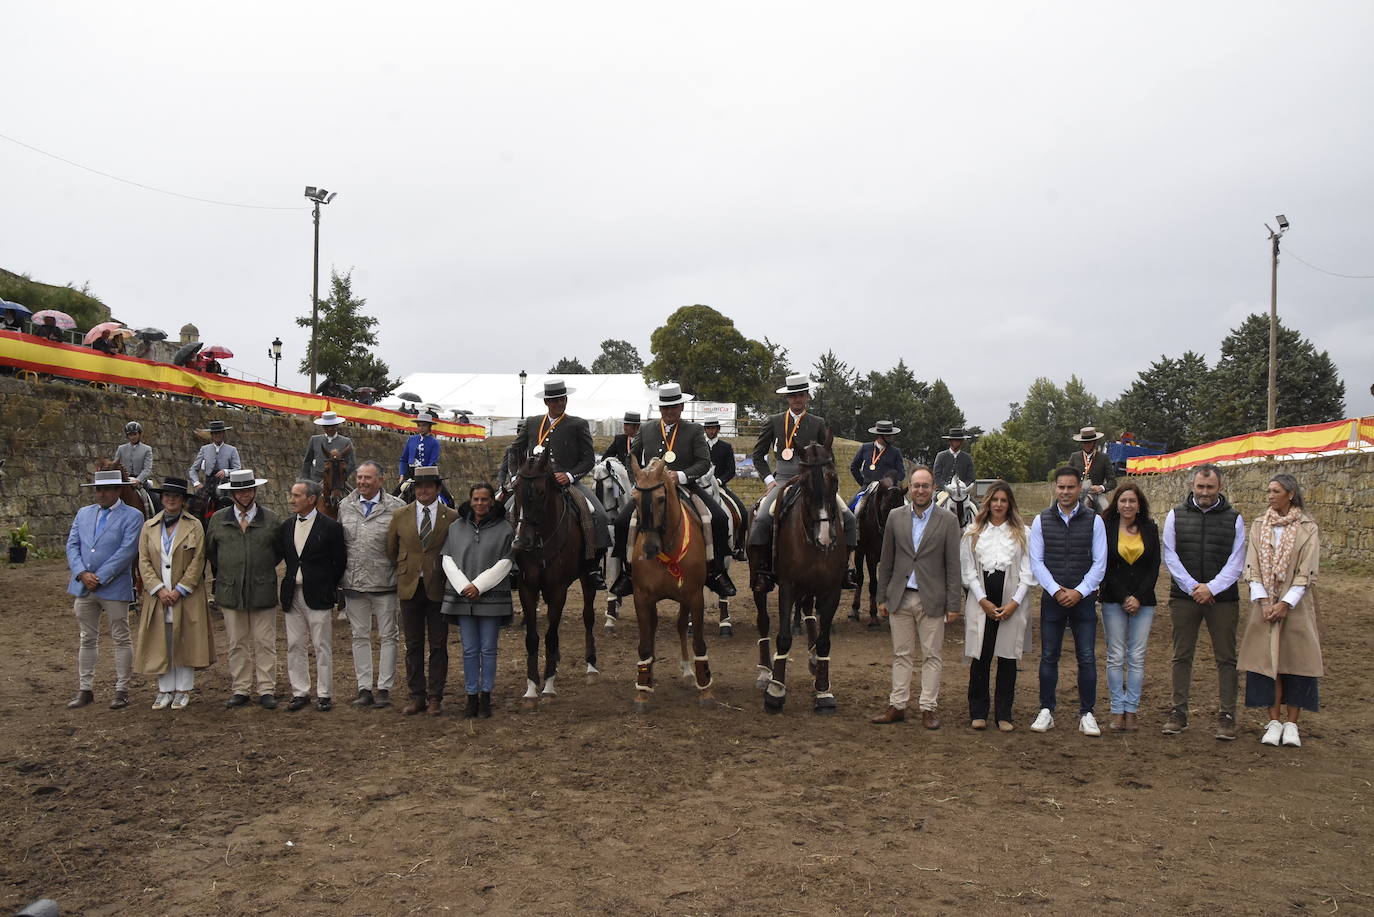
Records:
x=241, y=545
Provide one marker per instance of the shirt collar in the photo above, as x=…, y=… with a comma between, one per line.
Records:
x=1067, y=517
x=249, y=513
x=308, y=517
x=922, y=516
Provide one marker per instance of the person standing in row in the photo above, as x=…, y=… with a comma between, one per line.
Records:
x=1128, y=599
x=369, y=583
x=477, y=564
x=994, y=558
x=414, y=542
x=101, y=548
x=918, y=580
x=1068, y=545
x=174, y=634
x=313, y=546
x=242, y=547
x=1204, y=548
x=1282, y=653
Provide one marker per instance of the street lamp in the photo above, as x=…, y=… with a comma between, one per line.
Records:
x=523, y=376
x=319, y=196
x=275, y=356
x=1271, y=419
x=856, y=423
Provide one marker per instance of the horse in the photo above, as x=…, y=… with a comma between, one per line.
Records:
x=886, y=496
x=334, y=484
x=960, y=501
x=738, y=519
x=809, y=567
x=668, y=562
x=548, y=551
x=612, y=484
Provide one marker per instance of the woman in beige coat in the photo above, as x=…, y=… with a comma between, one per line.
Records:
x=174, y=636
x=1281, y=650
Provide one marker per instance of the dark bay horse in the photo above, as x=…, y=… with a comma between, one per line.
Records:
x=809, y=566
x=548, y=551
x=668, y=561
x=872, y=521
x=334, y=486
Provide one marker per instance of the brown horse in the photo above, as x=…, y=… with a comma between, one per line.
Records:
x=668, y=561
x=548, y=550
x=872, y=521
x=334, y=484
x=810, y=569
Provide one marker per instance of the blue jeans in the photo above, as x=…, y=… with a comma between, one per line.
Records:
x=1126, y=639
x=1082, y=620
x=479, y=651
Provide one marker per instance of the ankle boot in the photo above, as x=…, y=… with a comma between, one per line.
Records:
x=623, y=584
x=484, y=704
x=470, y=710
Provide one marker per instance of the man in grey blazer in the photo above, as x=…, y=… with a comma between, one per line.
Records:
x=918, y=581
x=326, y=445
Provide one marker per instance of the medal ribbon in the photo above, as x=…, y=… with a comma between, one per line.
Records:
x=877, y=454
x=663, y=434
x=545, y=434
x=789, y=437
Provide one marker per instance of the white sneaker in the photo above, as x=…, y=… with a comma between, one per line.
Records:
x=1290, y=735
x=1272, y=733
x=1087, y=725
x=162, y=701
x=181, y=700
x=1044, y=722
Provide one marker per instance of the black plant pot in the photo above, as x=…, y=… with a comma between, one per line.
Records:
x=19, y=553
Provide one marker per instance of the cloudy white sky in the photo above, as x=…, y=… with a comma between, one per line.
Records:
x=519, y=181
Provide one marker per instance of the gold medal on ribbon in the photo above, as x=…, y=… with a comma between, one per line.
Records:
x=787, y=454
x=670, y=456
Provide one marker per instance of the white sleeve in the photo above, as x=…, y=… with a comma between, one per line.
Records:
x=1024, y=586
x=1257, y=591
x=1294, y=595
x=969, y=568
x=493, y=575
x=455, y=576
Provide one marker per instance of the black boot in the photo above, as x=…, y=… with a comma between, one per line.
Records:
x=591, y=572
x=484, y=705
x=623, y=585
x=719, y=581
x=470, y=709
x=764, y=580
x=851, y=576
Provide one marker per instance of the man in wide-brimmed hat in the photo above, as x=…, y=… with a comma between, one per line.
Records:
x=784, y=437
x=215, y=459
x=877, y=460
x=242, y=548
x=422, y=448
x=723, y=461
x=327, y=444
x=620, y=444
x=568, y=440
x=101, y=548
x=953, y=461
x=682, y=446
x=1099, y=476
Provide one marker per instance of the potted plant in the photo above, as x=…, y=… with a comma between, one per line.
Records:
x=20, y=544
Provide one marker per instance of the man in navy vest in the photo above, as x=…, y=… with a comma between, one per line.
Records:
x=1204, y=549
x=1068, y=555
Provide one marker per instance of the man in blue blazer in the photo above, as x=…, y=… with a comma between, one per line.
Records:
x=101, y=548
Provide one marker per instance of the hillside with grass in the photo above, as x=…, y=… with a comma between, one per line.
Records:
x=84, y=308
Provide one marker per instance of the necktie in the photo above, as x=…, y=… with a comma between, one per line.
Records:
x=367, y=507
x=425, y=529
x=243, y=522
x=215, y=468
x=100, y=520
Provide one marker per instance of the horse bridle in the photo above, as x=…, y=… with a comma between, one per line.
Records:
x=647, y=522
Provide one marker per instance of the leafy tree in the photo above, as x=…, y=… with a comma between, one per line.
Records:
x=1047, y=419
x=617, y=357
x=1165, y=402
x=1310, y=389
x=346, y=340
x=568, y=366
x=839, y=392
x=941, y=413
x=897, y=395
x=86, y=310
x=997, y=455
x=704, y=351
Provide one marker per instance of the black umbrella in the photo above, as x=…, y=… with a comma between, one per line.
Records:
x=150, y=334
x=407, y=396
x=186, y=352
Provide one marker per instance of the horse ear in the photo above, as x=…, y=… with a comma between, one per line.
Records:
x=635, y=467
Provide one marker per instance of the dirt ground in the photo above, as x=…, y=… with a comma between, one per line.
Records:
x=584, y=807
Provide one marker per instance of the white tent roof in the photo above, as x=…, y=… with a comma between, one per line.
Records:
x=595, y=396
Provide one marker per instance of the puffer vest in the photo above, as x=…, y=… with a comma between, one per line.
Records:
x=1203, y=542
x=1068, y=548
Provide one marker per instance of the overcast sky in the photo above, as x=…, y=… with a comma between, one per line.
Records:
x=991, y=191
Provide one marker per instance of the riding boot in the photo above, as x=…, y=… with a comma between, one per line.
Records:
x=718, y=581
x=591, y=572
x=763, y=580
x=623, y=585
x=851, y=576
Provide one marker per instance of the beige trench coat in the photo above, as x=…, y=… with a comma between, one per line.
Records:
x=192, y=642
x=1291, y=646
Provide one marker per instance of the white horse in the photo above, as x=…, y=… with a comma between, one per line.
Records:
x=612, y=488
x=959, y=500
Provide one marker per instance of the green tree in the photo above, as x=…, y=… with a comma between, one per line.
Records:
x=838, y=394
x=1310, y=389
x=702, y=350
x=85, y=309
x=940, y=414
x=617, y=357
x=346, y=340
x=568, y=366
x=897, y=395
x=1047, y=420
x=997, y=455
x=1165, y=402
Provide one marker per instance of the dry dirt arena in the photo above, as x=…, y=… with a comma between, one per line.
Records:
x=583, y=807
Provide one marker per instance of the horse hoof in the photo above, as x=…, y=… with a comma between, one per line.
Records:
x=772, y=704
x=762, y=681
x=727, y=629
x=641, y=706
x=873, y=624
x=706, y=702
x=592, y=670
x=531, y=704
x=854, y=617
x=822, y=710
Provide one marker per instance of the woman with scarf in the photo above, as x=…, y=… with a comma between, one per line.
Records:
x=1281, y=651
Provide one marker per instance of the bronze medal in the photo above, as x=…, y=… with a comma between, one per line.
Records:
x=787, y=454
x=670, y=456
x=538, y=449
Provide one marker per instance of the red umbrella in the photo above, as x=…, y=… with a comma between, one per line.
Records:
x=100, y=329
x=217, y=352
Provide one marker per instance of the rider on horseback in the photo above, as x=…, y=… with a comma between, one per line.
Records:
x=952, y=462
x=216, y=458
x=875, y=461
x=568, y=440
x=135, y=456
x=327, y=445
x=681, y=445
x=620, y=444
x=786, y=435
x=1099, y=475
x=422, y=449
x=723, y=461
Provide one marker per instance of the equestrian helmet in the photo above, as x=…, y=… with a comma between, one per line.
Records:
x=133, y=426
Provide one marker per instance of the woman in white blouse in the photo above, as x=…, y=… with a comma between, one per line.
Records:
x=995, y=566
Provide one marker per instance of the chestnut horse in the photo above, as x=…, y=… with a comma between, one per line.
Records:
x=548, y=550
x=334, y=487
x=668, y=561
x=872, y=521
x=809, y=567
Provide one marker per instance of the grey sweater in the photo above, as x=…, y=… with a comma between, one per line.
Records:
x=472, y=553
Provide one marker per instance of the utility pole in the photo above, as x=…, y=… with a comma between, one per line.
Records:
x=319, y=196
x=1271, y=419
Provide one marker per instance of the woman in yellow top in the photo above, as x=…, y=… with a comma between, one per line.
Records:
x=1128, y=599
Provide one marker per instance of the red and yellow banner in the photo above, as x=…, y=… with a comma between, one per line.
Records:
x=1319, y=437
x=25, y=352
x=1367, y=431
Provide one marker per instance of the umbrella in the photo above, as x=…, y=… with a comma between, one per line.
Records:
x=20, y=312
x=64, y=321
x=151, y=334
x=98, y=330
x=407, y=396
x=217, y=352
x=122, y=333
x=187, y=352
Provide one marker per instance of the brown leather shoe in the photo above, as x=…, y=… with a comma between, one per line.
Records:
x=121, y=700
x=435, y=707
x=1130, y=723
x=930, y=719
x=889, y=716
x=415, y=706
x=1117, y=723
x=81, y=699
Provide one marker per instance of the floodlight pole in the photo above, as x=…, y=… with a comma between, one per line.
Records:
x=1271, y=419
x=315, y=300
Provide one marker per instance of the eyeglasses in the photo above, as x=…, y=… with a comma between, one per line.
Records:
x=922, y=486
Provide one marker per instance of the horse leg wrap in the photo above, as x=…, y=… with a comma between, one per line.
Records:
x=703, y=672
x=645, y=674
x=531, y=689
x=782, y=658
x=822, y=675
x=776, y=688
x=765, y=652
